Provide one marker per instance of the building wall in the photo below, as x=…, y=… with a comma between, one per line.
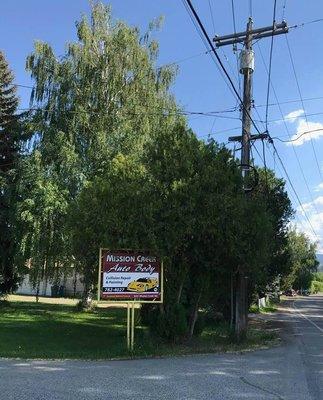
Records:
x=45, y=288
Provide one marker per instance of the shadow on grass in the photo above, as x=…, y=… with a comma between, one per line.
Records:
x=31, y=330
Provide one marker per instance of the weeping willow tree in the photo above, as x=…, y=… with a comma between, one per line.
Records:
x=103, y=97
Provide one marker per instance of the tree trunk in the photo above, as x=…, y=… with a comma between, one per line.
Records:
x=74, y=283
x=180, y=290
x=37, y=291
x=193, y=316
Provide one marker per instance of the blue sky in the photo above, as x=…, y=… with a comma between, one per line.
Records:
x=199, y=86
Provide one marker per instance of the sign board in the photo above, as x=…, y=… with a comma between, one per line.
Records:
x=130, y=275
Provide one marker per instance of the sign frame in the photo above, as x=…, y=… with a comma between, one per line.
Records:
x=129, y=300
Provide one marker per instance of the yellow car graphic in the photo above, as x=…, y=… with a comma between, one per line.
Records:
x=143, y=285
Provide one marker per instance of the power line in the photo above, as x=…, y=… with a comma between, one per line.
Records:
x=265, y=164
x=300, y=25
x=303, y=105
x=291, y=101
x=204, y=36
x=158, y=67
x=206, y=39
x=233, y=17
x=293, y=188
x=235, y=46
x=287, y=130
x=284, y=10
x=211, y=12
x=219, y=132
x=298, y=137
x=270, y=62
x=288, y=118
x=289, y=181
x=163, y=112
x=258, y=105
x=292, y=193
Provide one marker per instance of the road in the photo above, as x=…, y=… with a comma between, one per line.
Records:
x=292, y=371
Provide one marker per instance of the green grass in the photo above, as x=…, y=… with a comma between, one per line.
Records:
x=270, y=308
x=48, y=331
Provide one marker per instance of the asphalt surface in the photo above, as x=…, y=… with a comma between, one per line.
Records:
x=293, y=370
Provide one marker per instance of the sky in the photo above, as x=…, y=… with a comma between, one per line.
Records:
x=199, y=85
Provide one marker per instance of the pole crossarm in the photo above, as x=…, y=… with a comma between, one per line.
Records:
x=240, y=37
x=261, y=136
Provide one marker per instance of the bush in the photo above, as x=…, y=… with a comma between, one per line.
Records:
x=316, y=286
x=318, y=276
x=200, y=325
x=170, y=324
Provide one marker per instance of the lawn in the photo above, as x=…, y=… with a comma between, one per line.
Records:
x=40, y=330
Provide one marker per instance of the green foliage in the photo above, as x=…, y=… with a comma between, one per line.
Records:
x=200, y=325
x=113, y=164
x=318, y=276
x=68, y=334
x=10, y=144
x=302, y=262
x=316, y=287
x=100, y=102
x=173, y=324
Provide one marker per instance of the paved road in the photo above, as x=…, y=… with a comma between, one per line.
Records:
x=293, y=371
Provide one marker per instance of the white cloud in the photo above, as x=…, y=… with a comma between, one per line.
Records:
x=319, y=187
x=292, y=116
x=314, y=129
x=314, y=212
x=313, y=205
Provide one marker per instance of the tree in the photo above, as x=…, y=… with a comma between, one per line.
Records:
x=102, y=99
x=302, y=261
x=9, y=153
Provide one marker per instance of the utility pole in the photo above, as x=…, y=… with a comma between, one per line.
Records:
x=247, y=69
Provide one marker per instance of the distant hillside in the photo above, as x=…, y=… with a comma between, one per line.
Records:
x=320, y=258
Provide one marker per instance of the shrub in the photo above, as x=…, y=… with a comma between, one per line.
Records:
x=170, y=324
x=200, y=325
x=316, y=287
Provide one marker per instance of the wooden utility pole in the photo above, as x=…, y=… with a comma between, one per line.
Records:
x=247, y=69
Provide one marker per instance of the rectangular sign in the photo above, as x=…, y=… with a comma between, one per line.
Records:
x=131, y=275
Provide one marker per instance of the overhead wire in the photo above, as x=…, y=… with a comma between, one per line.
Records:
x=286, y=128
x=290, y=101
x=303, y=105
x=250, y=8
x=301, y=24
x=188, y=5
x=212, y=17
x=286, y=118
x=222, y=51
x=207, y=42
x=206, y=39
x=298, y=137
x=165, y=112
x=270, y=62
x=284, y=10
x=235, y=49
x=293, y=188
x=219, y=132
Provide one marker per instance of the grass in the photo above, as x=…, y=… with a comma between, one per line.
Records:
x=270, y=308
x=56, y=331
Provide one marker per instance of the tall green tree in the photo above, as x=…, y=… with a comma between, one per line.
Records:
x=9, y=152
x=102, y=99
x=302, y=261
